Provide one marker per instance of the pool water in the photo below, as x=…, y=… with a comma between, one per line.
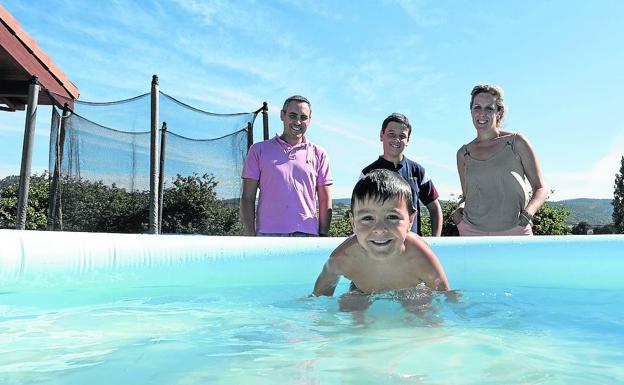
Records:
x=276, y=334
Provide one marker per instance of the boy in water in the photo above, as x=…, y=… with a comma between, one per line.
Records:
x=382, y=254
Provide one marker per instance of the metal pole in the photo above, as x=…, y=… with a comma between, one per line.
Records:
x=153, y=206
x=265, y=120
x=249, y=135
x=58, y=161
x=161, y=173
x=29, y=135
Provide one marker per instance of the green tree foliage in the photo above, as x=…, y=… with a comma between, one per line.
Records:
x=341, y=227
x=95, y=207
x=190, y=205
x=550, y=220
x=618, y=200
x=37, y=209
x=580, y=228
x=425, y=226
x=606, y=229
x=448, y=226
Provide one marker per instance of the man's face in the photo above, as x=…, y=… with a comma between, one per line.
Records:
x=296, y=118
x=381, y=229
x=395, y=139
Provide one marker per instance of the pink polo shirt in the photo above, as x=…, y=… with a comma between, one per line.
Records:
x=287, y=177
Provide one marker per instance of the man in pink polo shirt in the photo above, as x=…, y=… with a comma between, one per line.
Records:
x=290, y=172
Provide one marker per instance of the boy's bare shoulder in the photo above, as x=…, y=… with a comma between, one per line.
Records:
x=345, y=252
x=416, y=247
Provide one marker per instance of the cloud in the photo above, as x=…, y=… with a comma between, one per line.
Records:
x=593, y=182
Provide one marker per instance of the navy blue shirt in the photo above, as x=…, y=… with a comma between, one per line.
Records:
x=423, y=189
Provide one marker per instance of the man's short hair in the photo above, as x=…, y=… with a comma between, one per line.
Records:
x=296, y=98
x=382, y=185
x=398, y=118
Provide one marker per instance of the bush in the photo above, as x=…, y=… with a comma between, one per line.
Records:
x=37, y=209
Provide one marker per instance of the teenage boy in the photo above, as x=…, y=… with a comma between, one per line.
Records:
x=395, y=134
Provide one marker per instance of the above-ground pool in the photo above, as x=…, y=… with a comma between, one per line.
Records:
x=80, y=308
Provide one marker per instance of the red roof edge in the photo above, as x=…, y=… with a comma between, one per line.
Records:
x=31, y=45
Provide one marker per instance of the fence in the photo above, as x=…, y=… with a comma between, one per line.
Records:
x=111, y=164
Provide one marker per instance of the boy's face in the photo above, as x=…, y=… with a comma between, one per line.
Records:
x=395, y=138
x=381, y=229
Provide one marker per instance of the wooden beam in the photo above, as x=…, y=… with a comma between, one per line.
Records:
x=32, y=65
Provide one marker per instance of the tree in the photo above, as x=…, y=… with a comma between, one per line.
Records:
x=425, y=226
x=618, y=200
x=580, y=228
x=550, y=220
x=191, y=206
x=37, y=208
x=449, y=229
x=341, y=227
x=606, y=229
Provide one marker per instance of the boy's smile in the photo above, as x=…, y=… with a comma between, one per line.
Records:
x=381, y=228
x=395, y=138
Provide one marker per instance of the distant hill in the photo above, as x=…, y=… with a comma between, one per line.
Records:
x=592, y=211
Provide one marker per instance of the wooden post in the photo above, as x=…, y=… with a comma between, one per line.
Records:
x=265, y=120
x=153, y=208
x=29, y=135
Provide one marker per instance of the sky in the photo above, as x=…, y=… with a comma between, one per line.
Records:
x=559, y=62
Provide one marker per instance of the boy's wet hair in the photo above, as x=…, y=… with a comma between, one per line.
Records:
x=382, y=185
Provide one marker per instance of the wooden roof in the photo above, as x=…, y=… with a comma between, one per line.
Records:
x=20, y=60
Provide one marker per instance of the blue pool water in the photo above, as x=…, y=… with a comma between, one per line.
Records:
x=119, y=309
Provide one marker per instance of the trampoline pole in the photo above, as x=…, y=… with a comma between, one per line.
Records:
x=153, y=204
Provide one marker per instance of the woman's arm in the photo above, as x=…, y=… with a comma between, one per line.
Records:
x=533, y=174
x=457, y=214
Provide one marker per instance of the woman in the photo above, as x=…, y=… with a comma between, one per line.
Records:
x=492, y=171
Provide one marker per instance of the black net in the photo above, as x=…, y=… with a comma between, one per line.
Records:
x=102, y=174
x=102, y=166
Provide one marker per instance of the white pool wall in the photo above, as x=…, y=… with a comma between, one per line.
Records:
x=31, y=260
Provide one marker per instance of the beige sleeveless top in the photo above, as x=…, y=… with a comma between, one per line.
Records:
x=495, y=189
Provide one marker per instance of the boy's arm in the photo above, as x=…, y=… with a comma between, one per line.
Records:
x=432, y=271
x=327, y=280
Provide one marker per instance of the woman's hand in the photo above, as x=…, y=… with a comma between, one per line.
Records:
x=458, y=215
x=524, y=218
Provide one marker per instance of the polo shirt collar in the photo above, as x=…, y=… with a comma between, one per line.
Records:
x=390, y=164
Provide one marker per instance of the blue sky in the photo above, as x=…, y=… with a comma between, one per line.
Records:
x=559, y=62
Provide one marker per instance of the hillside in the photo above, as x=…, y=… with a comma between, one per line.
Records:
x=592, y=211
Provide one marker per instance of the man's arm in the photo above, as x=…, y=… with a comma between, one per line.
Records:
x=435, y=214
x=325, y=208
x=327, y=280
x=248, y=206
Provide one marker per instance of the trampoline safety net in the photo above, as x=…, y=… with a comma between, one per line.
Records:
x=100, y=167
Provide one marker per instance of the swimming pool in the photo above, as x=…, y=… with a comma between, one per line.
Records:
x=141, y=309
